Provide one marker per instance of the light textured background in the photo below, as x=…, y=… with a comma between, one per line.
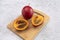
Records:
x=10, y=9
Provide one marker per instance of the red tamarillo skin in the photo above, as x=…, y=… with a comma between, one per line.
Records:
x=27, y=12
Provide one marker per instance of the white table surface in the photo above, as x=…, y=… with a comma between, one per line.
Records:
x=10, y=9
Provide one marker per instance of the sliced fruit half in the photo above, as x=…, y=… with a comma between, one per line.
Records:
x=21, y=24
x=37, y=20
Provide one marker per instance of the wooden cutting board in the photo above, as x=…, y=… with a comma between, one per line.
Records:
x=31, y=32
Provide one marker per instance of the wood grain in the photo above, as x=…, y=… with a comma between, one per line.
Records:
x=31, y=32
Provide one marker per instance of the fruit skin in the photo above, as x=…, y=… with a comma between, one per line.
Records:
x=16, y=25
x=27, y=12
x=41, y=20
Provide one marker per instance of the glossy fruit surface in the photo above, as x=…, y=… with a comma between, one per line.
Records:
x=27, y=12
x=20, y=24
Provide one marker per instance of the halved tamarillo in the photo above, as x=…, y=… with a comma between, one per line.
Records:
x=37, y=20
x=20, y=24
